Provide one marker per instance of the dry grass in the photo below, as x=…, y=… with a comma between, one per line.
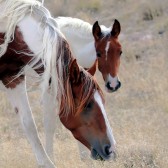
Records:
x=138, y=112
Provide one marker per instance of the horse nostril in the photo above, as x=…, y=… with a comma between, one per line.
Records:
x=119, y=85
x=108, y=85
x=107, y=150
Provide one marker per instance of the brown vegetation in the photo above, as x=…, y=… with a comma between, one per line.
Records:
x=138, y=112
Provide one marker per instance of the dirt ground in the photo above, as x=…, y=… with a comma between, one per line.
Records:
x=138, y=112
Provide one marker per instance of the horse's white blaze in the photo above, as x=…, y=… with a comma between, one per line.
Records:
x=109, y=132
x=112, y=80
x=107, y=48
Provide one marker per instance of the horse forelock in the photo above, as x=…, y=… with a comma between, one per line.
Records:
x=87, y=90
x=106, y=34
x=89, y=87
x=88, y=83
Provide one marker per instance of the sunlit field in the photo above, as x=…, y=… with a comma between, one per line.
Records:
x=138, y=111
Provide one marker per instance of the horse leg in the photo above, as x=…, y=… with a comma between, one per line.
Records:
x=49, y=109
x=19, y=99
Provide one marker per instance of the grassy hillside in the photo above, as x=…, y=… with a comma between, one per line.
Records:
x=138, y=112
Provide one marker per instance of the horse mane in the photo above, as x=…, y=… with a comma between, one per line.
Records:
x=78, y=27
x=89, y=87
x=89, y=84
x=54, y=56
x=48, y=57
x=13, y=11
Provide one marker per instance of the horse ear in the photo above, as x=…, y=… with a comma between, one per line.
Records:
x=96, y=31
x=116, y=28
x=74, y=72
x=92, y=70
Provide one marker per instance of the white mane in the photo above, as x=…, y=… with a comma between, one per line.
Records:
x=79, y=35
x=16, y=10
x=12, y=11
x=78, y=27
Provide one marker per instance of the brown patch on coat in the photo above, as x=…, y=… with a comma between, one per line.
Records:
x=12, y=62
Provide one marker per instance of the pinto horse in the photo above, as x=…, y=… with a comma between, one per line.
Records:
x=89, y=43
x=29, y=38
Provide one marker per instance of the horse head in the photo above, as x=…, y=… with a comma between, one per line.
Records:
x=108, y=50
x=87, y=118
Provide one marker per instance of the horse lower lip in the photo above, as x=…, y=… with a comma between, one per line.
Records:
x=96, y=155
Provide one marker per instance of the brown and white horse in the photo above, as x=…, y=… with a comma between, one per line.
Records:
x=90, y=43
x=29, y=38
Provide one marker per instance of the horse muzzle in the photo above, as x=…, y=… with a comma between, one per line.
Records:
x=102, y=155
x=111, y=89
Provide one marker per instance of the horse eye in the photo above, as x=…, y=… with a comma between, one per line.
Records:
x=89, y=105
x=120, y=52
x=98, y=54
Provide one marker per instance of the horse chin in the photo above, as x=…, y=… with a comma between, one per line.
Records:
x=95, y=155
x=110, y=90
x=98, y=156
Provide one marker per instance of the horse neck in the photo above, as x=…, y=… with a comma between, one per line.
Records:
x=81, y=44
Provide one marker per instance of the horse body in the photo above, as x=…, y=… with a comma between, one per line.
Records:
x=89, y=43
x=30, y=38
